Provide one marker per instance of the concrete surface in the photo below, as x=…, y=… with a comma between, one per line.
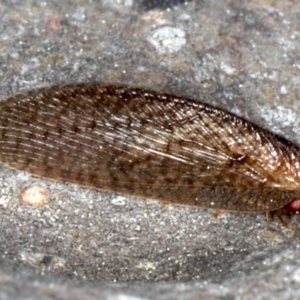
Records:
x=84, y=244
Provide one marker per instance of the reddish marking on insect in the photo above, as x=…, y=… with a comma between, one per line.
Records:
x=292, y=207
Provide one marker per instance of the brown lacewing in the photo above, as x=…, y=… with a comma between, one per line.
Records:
x=149, y=144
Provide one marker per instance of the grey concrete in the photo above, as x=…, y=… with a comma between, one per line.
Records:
x=84, y=244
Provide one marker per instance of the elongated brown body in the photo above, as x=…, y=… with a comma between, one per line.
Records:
x=148, y=144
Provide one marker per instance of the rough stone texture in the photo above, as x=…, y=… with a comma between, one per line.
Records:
x=82, y=244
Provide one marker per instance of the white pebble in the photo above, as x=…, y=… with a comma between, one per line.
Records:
x=167, y=39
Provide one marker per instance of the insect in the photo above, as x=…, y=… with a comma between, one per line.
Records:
x=148, y=144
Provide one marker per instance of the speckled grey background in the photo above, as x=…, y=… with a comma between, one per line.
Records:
x=83, y=244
